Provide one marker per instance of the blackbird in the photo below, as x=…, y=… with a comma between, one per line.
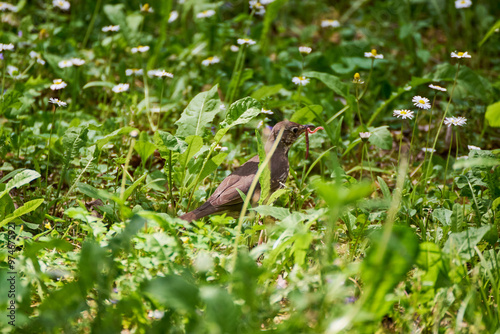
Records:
x=227, y=199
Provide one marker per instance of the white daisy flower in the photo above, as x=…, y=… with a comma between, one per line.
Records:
x=121, y=88
x=162, y=73
x=266, y=2
x=330, y=24
x=421, y=102
x=146, y=8
x=205, y=14
x=472, y=148
x=404, y=114
x=134, y=133
x=266, y=111
x=427, y=149
x=259, y=125
x=463, y=3
x=301, y=81
x=234, y=48
x=58, y=84
x=58, y=102
x=133, y=71
x=305, y=49
x=110, y=28
x=7, y=7
x=365, y=135
x=457, y=121
x=173, y=16
x=61, y=4
x=210, y=60
x=243, y=41
x=156, y=314
x=152, y=73
x=221, y=148
x=257, y=7
x=13, y=71
x=38, y=57
x=139, y=48
x=373, y=54
x=222, y=106
x=65, y=63
x=6, y=47
x=460, y=55
x=77, y=61
x=436, y=87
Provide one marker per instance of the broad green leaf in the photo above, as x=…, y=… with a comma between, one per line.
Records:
x=210, y=167
x=443, y=216
x=19, y=180
x=385, y=266
x=134, y=185
x=240, y=112
x=267, y=210
x=143, y=147
x=221, y=313
x=194, y=145
x=174, y=292
x=493, y=114
x=199, y=112
x=104, y=140
x=266, y=91
x=26, y=208
x=92, y=192
x=381, y=137
x=166, y=142
x=306, y=114
x=463, y=243
x=331, y=81
x=384, y=188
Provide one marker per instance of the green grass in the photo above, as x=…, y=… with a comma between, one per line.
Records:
x=368, y=236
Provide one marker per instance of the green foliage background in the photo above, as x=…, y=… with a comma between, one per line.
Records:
x=361, y=240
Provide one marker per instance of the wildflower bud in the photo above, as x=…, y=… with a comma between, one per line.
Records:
x=357, y=79
x=134, y=133
x=365, y=136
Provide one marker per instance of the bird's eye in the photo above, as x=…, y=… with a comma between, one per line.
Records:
x=295, y=130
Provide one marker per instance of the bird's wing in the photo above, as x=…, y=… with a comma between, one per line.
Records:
x=241, y=178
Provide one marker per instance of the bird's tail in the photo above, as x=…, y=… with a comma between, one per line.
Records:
x=204, y=210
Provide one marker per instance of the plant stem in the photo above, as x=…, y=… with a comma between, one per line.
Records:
x=91, y=24
x=49, y=142
x=124, y=176
x=441, y=124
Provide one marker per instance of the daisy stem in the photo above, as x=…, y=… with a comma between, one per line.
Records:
x=161, y=99
x=146, y=97
x=442, y=121
x=124, y=176
x=367, y=81
x=446, y=167
x=400, y=141
x=369, y=162
x=412, y=136
x=3, y=75
x=362, y=161
x=49, y=142
x=238, y=74
x=91, y=24
x=357, y=104
x=456, y=157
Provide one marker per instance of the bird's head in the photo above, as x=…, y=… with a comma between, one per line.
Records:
x=291, y=133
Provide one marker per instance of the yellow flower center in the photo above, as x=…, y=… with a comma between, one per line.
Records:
x=460, y=54
x=145, y=7
x=357, y=76
x=374, y=52
x=403, y=112
x=421, y=101
x=58, y=82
